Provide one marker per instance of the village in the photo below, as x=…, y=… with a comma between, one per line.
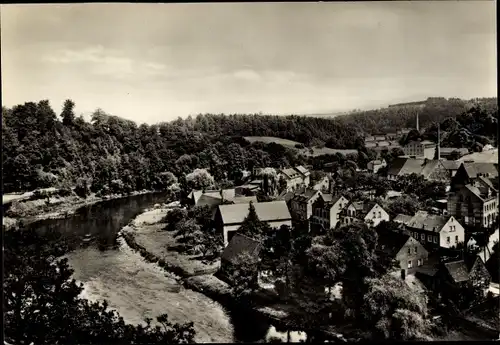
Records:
x=441, y=251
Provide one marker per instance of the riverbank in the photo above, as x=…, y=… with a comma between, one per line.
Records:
x=145, y=234
x=55, y=207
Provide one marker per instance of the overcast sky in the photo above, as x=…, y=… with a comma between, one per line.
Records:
x=155, y=62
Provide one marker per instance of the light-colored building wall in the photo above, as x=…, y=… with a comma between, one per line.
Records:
x=376, y=215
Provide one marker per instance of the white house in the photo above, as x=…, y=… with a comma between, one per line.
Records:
x=370, y=213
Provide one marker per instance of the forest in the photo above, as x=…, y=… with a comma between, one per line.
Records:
x=110, y=154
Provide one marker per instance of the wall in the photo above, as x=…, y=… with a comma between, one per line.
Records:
x=376, y=220
x=448, y=232
x=403, y=257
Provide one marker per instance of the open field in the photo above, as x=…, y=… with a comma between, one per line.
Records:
x=291, y=144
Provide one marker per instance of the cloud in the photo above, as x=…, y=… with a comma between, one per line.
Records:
x=106, y=62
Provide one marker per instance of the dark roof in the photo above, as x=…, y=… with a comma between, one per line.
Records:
x=207, y=200
x=304, y=194
x=286, y=196
x=427, y=221
x=391, y=242
x=405, y=166
x=458, y=271
x=428, y=269
x=238, y=245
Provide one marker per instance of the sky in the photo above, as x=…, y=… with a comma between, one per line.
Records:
x=155, y=62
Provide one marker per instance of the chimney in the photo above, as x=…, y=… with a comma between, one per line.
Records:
x=417, y=123
x=439, y=143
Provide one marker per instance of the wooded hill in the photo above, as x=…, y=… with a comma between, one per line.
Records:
x=111, y=154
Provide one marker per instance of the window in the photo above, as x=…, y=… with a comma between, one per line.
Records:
x=448, y=239
x=409, y=250
x=456, y=239
x=429, y=238
x=422, y=237
x=380, y=214
x=420, y=262
x=435, y=239
x=410, y=264
x=415, y=250
x=374, y=214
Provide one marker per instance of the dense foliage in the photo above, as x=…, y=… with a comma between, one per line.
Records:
x=42, y=303
x=392, y=119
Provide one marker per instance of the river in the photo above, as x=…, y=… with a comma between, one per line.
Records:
x=110, y=270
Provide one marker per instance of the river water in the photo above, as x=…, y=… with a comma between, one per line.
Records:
x=110, y=270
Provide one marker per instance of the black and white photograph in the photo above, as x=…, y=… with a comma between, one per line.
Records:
x=270, y=172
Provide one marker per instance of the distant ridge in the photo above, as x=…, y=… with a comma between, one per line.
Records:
x=407, y=103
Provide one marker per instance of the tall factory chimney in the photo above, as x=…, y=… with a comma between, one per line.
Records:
x=418, y=129
x=439, y=143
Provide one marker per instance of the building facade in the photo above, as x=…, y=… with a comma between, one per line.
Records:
x=370, y=213
x=420, y=149
x=326, y=211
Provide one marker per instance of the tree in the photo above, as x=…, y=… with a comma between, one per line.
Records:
x=42, y=303
x=200, y=179
x=252, y=226
x=68, y=114
x=166, y=179
x=173, y=217
x=186, y=228
x=404, y=204
x=244, y=276
x=391, y=310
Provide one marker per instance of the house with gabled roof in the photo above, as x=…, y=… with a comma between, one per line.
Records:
x=368, y=212
x=402, y=219
x=446, y=152
x=326, y=210
x=239, y=244
x=221, y=194
x=454, y=275
x=302, y=201
x=293, y=178
x=406, y=250
x=473, y=197
x=435, y=231
x=430, y=169
x=228, y=218
x=306, y=179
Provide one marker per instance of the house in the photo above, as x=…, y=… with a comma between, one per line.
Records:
x=209, y=196
x=420, y=149
x=490, y=156
x=392, y=194
x=473, y=201
x=391, y=136
x=228, y=218
x=323, y=184
x=293, y=178
x=435, y=231
x=370, y=213
x=451, y=167
x=302, y=201
x=379, y=137
x=247, y=189
x=239, y=244
x=447, y=152
x=375, y=165
x=306, y=175
x=326, y=210
x=468, y=172
x=454, y=275
x=486, y=251
x=432, y=170
x=403, y=248
x=369, y=139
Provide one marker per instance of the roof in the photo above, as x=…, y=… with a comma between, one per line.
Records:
x=290, y=173
x=383, y=143
x=429, y=167
x=403, y=218
x=393, y=194
x=427, y=142
x=302, y=170
x=474, y=168
x=380, y=137
x=405, y=166
x=245, y=199
x=305, y=194
x=228, y=194
x=490, y=156
x=266, y=211
x=238, y=245
x=376, y=162
x=207, y=200
x=450, y=165
x=391, y=242
x=427, y=221
x=286, y=196
x=428, y=269
x=457, y=270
